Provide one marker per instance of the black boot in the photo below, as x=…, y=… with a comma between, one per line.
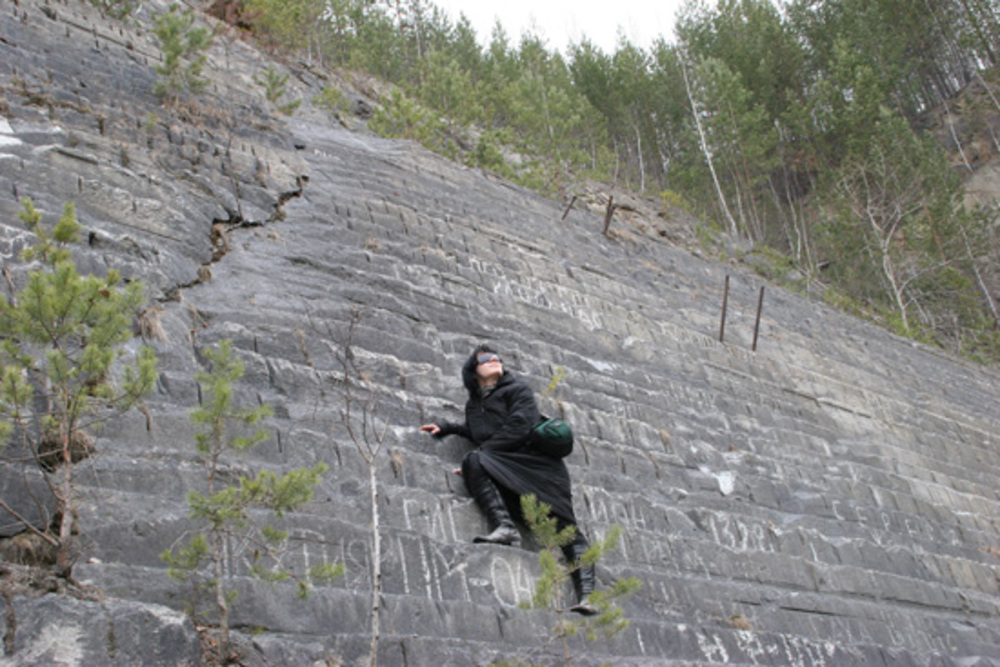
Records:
x=489, y=499
x=504, y=533
x=583, y=576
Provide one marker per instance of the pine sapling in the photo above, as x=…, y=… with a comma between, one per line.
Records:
x=551, y=585
x=184, y=58
x=226, y=514
x=61, y=339
x=273, y=84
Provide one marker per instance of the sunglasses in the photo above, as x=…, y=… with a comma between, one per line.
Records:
x=487, y=357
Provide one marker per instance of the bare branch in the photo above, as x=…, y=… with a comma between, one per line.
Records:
x=52, y=541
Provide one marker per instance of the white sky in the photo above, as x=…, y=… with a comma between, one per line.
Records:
x=560, y=22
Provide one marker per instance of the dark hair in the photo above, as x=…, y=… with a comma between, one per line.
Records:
x=484, y=347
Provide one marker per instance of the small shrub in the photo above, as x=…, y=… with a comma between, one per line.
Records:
x=558, y=375
x=770, y=263
x=116, y=9
x=332, y=100
x=610, y=619
x=670, y=199
x=403, y=118
x=488, y=155
x=740, y=622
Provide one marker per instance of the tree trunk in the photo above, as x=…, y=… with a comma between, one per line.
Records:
x=220, y=596
x=642, y=164
x=982, y=35
x=982, y=283
x=889, y=270
x=65, y=504
x=376, y=562
x=708, y=154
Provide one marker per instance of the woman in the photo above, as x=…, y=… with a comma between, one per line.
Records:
x=499, y=415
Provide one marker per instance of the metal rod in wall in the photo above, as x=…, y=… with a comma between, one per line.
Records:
x=756, y=326
x=725, y=301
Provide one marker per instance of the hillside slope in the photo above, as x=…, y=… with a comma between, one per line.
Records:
x=829, y=499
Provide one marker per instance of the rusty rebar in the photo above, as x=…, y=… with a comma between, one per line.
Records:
x=725, y=301
x=566, y=212
x=756, y=325
x=610, y=212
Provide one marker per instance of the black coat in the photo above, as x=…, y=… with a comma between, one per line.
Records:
x=498, y=424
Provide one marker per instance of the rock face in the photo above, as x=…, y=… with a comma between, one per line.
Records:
x=60, y=630
x=829, y=499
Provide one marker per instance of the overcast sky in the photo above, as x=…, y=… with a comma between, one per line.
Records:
x=563, y=21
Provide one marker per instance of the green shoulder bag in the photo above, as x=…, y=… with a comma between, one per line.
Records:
x=552, y=437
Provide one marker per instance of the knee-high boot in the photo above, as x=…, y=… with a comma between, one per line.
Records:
x=583, y=575
x=491, y=502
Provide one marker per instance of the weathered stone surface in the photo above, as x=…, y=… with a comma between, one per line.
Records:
x=62, y=630
x=828, y=500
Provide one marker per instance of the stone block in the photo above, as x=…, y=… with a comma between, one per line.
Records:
x=58, y=630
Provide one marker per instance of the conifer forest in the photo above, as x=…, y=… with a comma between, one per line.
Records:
x=831, y=136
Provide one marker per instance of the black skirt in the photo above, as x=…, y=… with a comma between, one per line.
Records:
x=524, y=472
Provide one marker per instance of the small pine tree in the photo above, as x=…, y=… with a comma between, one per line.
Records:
x=181, y=41
x=224, y=514
x=60, y=338
x=549, y=589
x=273, y=83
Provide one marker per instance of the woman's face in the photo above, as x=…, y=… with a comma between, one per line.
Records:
x=488, y=366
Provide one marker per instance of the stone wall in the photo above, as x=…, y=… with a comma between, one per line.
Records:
x=829, y=499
